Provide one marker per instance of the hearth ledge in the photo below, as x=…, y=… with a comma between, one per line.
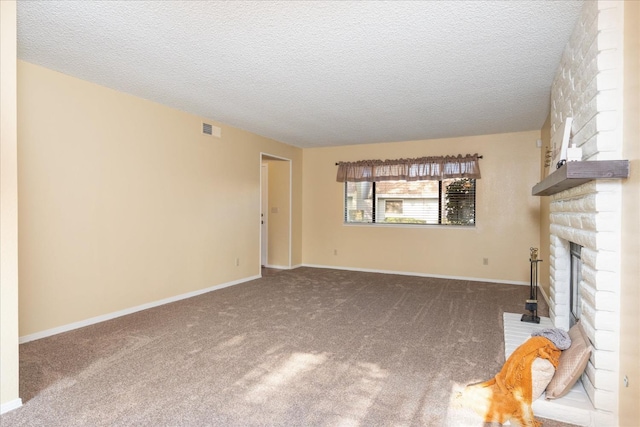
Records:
x=575, y=407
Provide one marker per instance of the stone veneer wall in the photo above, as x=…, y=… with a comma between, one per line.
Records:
x=587, y=87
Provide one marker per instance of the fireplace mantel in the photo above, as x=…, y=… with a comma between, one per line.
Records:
x=572, y=174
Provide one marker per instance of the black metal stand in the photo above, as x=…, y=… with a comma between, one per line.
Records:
x=532, y=303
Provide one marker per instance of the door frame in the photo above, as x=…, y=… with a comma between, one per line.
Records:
x=264, y=213
x=265, y=158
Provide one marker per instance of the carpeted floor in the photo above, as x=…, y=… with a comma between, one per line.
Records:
x=306, y=347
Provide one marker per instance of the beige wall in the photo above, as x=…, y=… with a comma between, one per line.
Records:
x=8, y=209
x=629, y=410
x=124, y=202
x=507, y=214
x=545, y=244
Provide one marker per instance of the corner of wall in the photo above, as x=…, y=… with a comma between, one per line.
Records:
x=629, y=393
x=545, y=136
x=9, y=370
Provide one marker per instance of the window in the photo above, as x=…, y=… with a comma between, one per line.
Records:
x=424, y=190
x=392, y=207
x=445, y=202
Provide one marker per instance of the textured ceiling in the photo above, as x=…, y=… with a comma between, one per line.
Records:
x=316, y=73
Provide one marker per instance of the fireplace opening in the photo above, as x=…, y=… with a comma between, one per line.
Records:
x=575, y=278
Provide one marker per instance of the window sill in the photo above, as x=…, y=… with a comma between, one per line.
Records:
x=399, y=225
x=573, y=174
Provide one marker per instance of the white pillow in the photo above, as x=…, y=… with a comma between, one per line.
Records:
x=541, y=373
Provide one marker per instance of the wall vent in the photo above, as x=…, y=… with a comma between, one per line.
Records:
x=211, y=130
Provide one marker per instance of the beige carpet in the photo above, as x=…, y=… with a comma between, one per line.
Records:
x=306, y=347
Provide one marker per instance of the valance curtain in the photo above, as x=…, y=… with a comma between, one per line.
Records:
x=418, y=169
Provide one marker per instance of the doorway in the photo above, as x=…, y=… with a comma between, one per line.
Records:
x=264, y=218
x=275, y=211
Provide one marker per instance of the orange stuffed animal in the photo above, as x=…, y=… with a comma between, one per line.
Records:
x=507, y=396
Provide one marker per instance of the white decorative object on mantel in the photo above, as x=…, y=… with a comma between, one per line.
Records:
x=560, y=143
x=574, y=154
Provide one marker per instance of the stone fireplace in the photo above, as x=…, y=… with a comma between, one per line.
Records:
x=587, y=88
x=576, y=217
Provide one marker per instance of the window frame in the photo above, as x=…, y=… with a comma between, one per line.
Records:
x=441, y=209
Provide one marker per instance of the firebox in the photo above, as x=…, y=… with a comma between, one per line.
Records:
x=575, y=277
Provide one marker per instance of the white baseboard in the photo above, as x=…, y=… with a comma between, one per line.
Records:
x=10, y=406
x=120, y=313
x=413, y=273
x=283, y=267
x=278, y=267
x=544, y=295
x=109, y=316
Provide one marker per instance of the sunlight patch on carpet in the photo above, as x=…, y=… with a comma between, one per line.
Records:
x=359, y=396
x=297, y=364
x=232, y=342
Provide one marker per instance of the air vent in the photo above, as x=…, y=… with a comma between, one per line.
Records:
x=211, y=130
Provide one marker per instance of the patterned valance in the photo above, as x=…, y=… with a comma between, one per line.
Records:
x=418, y=169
